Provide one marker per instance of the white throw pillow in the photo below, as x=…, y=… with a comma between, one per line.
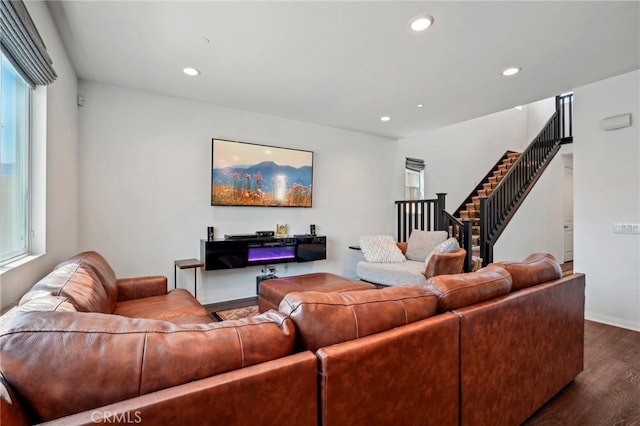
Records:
x=450, y=245
x=421, y=243
x=380, y=249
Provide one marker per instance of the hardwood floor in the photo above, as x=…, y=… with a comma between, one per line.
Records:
x=607, y=392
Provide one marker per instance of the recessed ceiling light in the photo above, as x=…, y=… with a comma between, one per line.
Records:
x=191, y=71
x=385, y=118
x=420, y=105
x=421, y=22
x=511, y=71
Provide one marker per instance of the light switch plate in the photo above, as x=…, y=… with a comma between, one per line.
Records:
x=626, y=228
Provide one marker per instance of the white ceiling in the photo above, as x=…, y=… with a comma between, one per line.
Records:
x=345, y=64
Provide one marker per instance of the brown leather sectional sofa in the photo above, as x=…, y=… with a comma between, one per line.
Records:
x=488, y=347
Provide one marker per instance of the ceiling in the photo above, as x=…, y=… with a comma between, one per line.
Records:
x=346, y=64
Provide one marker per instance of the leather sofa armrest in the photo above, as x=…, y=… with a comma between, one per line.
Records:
x=445, y=263
x=12, y=411
x=403, y=247
x=139, y=287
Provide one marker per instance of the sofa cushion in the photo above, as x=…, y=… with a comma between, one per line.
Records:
x=458, y=290
x=99, y=265
x=421, y=243
x=177, y=306
x=380, y=249
x=450, y=245
x=78, y=283
x=47, y=304
x=537, y=268
x=408, y=272
x=44, y=303
x=114, y=358
x=324, y=319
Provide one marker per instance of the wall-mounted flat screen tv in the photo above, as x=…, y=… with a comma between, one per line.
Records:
x=246, y=174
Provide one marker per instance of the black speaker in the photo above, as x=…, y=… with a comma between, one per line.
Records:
x=312, y=229
x=210, y=235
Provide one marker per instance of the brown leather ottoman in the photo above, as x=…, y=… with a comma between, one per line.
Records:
x=273, y=291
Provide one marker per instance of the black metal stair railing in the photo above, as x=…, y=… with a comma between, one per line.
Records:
x=462, y=231
x=499, y=207
x=430, y=215
x=481, y=182
x=425, y=215
x=564, y=106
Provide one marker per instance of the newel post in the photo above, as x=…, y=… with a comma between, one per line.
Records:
x=467, y=243
x=486, y=249
x=439, y=224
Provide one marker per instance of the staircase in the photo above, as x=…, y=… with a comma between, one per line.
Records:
x=470, y=208
x=505, y=187
x=484, y=215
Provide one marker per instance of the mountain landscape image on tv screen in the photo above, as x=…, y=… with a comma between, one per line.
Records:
x=245, y=174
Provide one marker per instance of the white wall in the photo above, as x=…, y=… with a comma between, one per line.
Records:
x=538, y=113
x=607, y=190
x=56, y=174
x=145, y=162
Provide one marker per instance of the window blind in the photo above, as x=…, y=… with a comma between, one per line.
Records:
x=22, y=45
x=415, y=164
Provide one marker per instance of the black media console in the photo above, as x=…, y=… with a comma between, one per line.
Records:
x=249, y=250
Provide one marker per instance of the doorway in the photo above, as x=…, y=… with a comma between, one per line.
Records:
x=567, y=185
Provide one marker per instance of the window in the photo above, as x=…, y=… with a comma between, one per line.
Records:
x=413, y=187
x=24, y=64
x=14, y=162
x=414, y=179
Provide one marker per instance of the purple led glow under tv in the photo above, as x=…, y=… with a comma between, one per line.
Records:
x=246, y=174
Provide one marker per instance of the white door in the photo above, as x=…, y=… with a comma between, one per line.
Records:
x=568, y=241
x=568, y=214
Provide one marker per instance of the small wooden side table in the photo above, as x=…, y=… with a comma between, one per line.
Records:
x=187, y=264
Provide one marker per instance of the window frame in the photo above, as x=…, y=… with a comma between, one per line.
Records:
x=26, y=200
